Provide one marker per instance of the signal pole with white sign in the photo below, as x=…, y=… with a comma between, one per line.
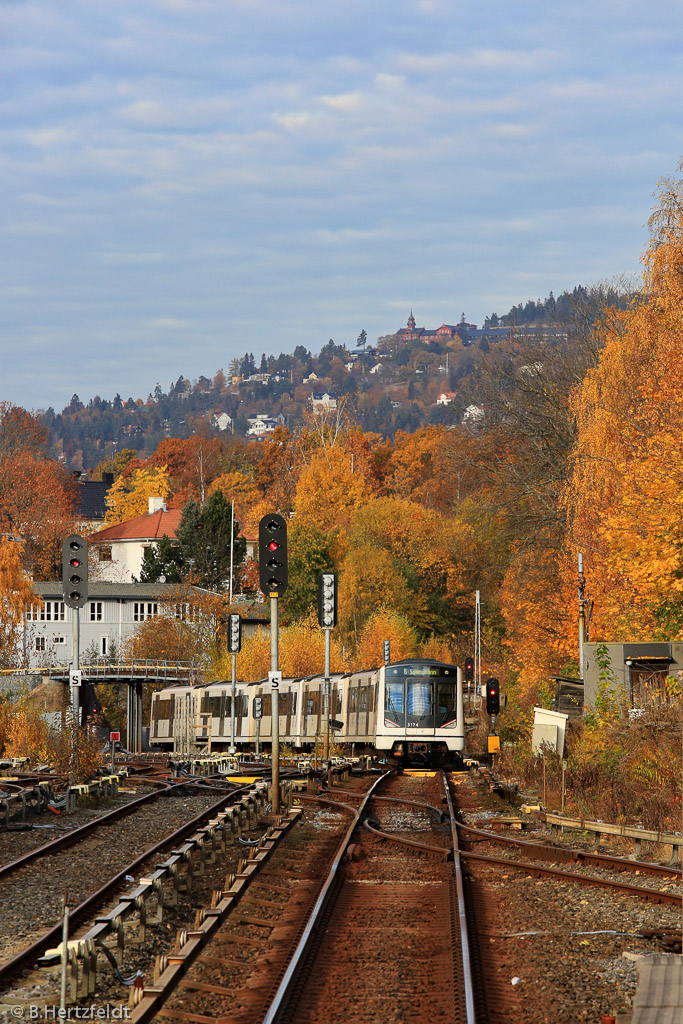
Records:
x=273, y=580
x=75, y=588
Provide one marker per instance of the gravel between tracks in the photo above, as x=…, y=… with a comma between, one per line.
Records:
x=32, y=898
x=14, y=844
x=563, y=976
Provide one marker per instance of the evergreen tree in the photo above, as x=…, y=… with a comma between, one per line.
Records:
x=162, y=560
x=204, y=541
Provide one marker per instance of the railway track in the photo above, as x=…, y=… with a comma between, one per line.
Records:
x=102, y=855
x=559, y=925
x=308, y=944
x=611, y=869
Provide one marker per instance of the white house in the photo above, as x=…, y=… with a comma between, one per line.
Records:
x=120, y=549
x=473, y=415
x=445, y=398
x=262, y=423
x=323, y=400
x=222, y=421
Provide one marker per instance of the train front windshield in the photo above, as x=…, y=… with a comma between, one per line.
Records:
x=420, y=696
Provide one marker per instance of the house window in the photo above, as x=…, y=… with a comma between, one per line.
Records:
x=52, y=611
x=40, y=643
x=104, y=646
x=104, y=552
x=95, y=611
x=58, y=639
x=144, y=610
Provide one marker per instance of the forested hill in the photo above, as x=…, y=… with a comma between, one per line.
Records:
x=396, y=383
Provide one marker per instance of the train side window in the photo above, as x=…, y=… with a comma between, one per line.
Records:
x=267, y=705
x=352, y=699
x=363, y=698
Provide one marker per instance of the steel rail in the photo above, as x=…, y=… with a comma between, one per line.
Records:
x=415, y=844
x=533, y=867
x=395, y=800
x=462, y=915
x=27, y=955
x=284, y=989
x=571, y=854
x=75, y=836
x=62, y=842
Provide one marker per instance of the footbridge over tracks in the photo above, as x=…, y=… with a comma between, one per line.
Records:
x=131, y=673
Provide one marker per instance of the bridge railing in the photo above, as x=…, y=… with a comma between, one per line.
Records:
x=137, y=668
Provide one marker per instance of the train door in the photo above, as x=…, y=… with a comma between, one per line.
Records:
x=185, y=723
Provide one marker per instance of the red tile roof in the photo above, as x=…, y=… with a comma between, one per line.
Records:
x=143, y=527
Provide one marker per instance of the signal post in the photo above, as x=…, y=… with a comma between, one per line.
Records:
x=273, y=581
x=493, y=709
x=234, y=646
x=75, y=588
x=327, y=617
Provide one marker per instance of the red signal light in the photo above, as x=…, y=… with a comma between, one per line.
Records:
x=75, y=562
x=273, y=546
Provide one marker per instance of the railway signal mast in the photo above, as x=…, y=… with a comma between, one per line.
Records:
x=234, y=646
x=75, y=588
x=273, y=580
x=327, y=617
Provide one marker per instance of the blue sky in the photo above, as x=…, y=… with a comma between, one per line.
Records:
x=183, y=181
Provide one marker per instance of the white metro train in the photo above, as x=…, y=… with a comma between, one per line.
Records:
x=410, y=710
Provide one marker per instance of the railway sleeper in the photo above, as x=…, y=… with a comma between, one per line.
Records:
x=144, y=905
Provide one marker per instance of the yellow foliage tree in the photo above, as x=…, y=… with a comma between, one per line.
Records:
x=301, y=652
x=385, y=624
x=626, y=493
x=330, y=488
x=239, y=487
x=16, y=592
x=128, y=497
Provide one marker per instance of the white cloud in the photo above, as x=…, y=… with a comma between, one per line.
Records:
x=234, y=162
x=171, y=323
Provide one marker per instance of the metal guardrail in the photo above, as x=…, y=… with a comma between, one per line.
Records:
x=134, y=669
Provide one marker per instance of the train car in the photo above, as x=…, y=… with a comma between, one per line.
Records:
x=423, y=716
x=411, y=710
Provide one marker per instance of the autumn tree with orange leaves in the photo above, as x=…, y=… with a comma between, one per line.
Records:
x=37, y=496
x=16, y=593
x=626, y=494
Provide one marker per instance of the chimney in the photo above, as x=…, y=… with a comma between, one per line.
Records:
x=156, y=504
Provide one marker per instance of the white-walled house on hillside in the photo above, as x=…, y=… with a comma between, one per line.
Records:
x=120, y=549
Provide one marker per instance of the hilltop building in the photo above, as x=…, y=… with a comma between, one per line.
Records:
x=444, y=333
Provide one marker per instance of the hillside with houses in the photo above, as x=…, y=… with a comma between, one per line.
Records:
x=409, y=378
